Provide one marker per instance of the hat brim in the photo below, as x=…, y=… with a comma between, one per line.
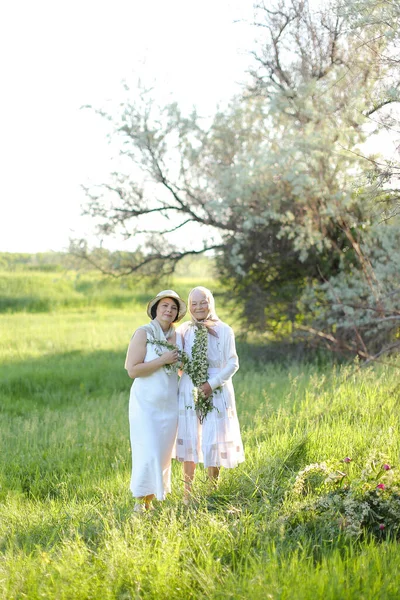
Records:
x=182, y=305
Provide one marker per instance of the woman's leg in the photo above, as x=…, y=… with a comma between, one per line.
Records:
x=188, y=474
x=143, y=502
x=213, y=474
x=147, y=500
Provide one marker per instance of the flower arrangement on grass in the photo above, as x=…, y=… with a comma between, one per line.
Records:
x=368, y=504
x=312, y=478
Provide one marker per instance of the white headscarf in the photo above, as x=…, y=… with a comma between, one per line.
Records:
x=212, y=318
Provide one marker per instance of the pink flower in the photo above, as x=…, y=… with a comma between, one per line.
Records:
x=381, y=486
x=347, y=459
x=386, y=467
x=381, y=526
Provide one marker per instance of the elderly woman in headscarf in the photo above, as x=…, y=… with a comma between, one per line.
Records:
x=208, y=426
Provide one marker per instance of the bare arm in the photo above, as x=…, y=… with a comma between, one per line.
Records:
x=136, y=354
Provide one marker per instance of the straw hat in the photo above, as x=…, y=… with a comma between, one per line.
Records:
x=168, y=294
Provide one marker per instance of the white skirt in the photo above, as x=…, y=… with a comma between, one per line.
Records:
x=217, y=441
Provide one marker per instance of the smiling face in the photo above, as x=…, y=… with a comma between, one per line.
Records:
x=199, y=305
x=167, y=310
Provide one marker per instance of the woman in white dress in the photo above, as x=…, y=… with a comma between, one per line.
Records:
x=153, y=410
x=216, y=441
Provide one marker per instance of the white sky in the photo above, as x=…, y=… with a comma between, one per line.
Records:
x=57, y=56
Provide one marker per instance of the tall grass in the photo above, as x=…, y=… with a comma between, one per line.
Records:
x=67, y=530
x=56, y=288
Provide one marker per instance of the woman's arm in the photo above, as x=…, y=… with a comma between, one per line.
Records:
x=179, y=345
x=230, y=359
x=136, y=354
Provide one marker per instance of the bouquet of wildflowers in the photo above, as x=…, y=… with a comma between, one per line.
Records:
x=183, y=358
x=197, y=369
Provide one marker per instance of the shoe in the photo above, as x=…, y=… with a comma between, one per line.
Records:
x=139, y=507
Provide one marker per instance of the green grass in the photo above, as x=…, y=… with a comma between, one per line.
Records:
x=67, y=530
x=56, y=287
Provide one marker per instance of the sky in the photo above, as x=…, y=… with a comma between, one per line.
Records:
x=59, y=56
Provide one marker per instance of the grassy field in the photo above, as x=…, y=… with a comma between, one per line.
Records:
x=275, y=528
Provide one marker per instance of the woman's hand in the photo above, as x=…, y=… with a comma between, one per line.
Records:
x=206, y=389
x=170, y=357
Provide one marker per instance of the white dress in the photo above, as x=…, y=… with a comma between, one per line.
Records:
x=217, y=441
x=153, y=420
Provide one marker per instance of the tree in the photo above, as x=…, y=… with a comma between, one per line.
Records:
x=278, y=184
x=344, y=74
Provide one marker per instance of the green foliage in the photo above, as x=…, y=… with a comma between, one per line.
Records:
x=39, y=261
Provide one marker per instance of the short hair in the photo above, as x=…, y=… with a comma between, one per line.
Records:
x=153, y=310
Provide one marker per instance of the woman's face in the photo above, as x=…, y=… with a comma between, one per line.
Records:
x=199, y=305
x=166, y=310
